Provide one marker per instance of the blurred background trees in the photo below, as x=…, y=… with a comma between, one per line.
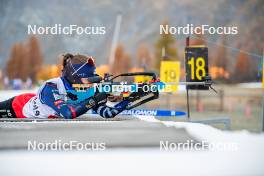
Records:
x=144, y=58
x=220, y=64
x=122, y=61
x=34, y=57
x=25, y=60
x=138, y=34
x=241, y=70
x=165, y=47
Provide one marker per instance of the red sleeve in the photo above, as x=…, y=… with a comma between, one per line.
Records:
x=19, y=102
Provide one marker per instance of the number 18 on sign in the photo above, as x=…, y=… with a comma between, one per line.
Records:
x=196, y=64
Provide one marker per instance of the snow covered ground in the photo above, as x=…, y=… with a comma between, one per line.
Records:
x=253, y=85
x=245, y=159
x=6, y=94
x=130, y=162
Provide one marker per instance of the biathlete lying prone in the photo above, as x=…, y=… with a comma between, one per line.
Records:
x=51, y=100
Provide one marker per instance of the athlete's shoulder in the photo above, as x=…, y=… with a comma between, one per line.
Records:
x=56, y=81
x=52, y=84
x=50, y=88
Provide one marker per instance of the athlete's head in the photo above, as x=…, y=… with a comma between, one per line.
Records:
x=77, y=68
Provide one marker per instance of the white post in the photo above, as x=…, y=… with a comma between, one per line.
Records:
x=163, y=52
x=115, y=39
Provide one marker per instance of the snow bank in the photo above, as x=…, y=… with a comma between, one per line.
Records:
x=6, y=94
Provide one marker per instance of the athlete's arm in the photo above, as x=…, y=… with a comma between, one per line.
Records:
x=110, y=112
x=51, y=97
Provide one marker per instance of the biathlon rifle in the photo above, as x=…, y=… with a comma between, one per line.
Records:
x=140, y=93
x=136, y=93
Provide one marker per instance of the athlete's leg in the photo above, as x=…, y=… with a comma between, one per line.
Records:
x=6, y=110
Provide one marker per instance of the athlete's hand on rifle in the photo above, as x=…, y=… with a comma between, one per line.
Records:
x=143, y=89
x=100, y=97
x=97, y=99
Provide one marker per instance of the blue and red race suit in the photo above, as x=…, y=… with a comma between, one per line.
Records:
x=51, y=101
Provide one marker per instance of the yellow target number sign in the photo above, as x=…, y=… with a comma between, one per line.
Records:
x=170, y=74
x=197, y=68
x=196, y=64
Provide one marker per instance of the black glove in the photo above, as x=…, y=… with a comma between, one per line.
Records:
x=141, y=93
x=100, y=98
x=138, y=94
x=97, y=99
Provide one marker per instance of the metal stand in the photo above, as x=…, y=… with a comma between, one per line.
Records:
x=263, y=112
x=188, y=104
x=187, y=88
